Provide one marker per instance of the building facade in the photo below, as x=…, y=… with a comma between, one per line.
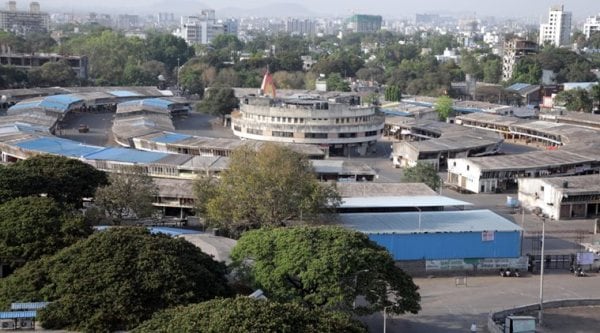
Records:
x=515, y=49
x=365, y=23
x=22, y=22
x=591, y=25
x=340, y=124
x=199, y=29
x=79, y=64
x=558, y=29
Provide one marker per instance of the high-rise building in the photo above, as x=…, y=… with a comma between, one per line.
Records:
x=300, y=27
x=200, y=29
x=591, y=25
x=558, y=29
x=365, y=23
x=515, y=49
x=21, y=21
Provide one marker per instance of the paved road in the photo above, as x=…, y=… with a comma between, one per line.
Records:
x=447, y=308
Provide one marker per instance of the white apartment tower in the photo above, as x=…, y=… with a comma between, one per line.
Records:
x=558, y=29
x=199, y=29
x=592, y=25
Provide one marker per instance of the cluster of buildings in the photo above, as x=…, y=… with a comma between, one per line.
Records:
x=22, y=22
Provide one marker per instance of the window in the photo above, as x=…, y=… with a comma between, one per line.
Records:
x=254, y=131
x=315, y=135
x=371, y=133
x=346, y=135
x=237, y=128
x=542, y=188
x=281, y=134
x=468, y=168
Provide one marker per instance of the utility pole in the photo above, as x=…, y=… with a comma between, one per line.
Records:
x=541, y=314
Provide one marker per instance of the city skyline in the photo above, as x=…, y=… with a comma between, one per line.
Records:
x=386, y=8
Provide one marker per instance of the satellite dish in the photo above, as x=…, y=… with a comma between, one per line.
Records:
x=161, y=77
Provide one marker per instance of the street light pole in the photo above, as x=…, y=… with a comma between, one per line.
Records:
x=385, y=318
x=541, y=314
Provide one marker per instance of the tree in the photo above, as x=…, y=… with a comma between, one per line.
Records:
x=393, y=94
x=443, y=107
x=32, y=227
x=116, y=279
x=65, y=180
x=423, y=172
x=335, y=82
x=245, y=314
x=575, y=100
x=219, y=101
x=129, y=194
x=168, y=49
x=53, y=73
x=324, y=267
x=270, y=186
x=595, y=95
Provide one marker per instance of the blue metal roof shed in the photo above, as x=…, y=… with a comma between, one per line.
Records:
x=28, y=306
x=404, y=201
x=440, y=235
x=126, y=155
x=58, y=146
x=124, y=93
x=18, y=315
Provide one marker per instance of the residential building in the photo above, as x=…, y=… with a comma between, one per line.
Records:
x=515, y=49
x=22, y=22
x=199, y=29
x=558, y=29
x=128, y=22
x=79, y=64
x=365, y=23
x=591, y=25
x=300, y=27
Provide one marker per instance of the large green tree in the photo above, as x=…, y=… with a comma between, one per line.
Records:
x=32, y=227
x=245, y=314
x=423, y=172
x=53, y=73
x=116, y=279
x=269, y=186
x=65, y=180
x=575, y=100
x=326, y=267
x=219, y=101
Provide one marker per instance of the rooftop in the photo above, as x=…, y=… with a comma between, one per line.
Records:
x=430, y=222
x=401, y=201
x=576, y=184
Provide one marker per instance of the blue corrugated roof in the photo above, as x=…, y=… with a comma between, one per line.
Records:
x=396, y=113
x=63, y=99
x=58, y=146
x=172, y=231
x=18, y=315
x=518, y=86
x=28, y=306
x=430, y=222
x=170, y=138
x=126, y=155
x=24, y=105
x=124, y=93
x=55, y=102
x=157, y=102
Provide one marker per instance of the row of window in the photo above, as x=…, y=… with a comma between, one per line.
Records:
x=282, y=134
x=295, y=120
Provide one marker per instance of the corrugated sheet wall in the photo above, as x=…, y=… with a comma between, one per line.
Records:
x=450, y=245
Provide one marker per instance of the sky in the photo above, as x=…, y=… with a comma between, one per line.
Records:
x=386, y=8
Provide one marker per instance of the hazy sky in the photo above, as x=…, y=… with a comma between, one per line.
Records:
x=387, y=8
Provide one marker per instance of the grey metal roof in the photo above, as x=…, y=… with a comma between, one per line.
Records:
x=370, y=189
x=431, y=222
x=401, y=201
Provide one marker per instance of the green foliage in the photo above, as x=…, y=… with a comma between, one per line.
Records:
x=219, y=101
x=53, y=73
x=527, y=70
x=492, y=69
x=569, y=66
x=443, y=107
x=595, y=95
x=116, y=279
x=575, y=100
x=167, y=49
x=289, y=80
x=32, y=227
x=393, y=94
x=335, y=82
x=128, y=195
x=324, y=267
x=65, y=180
x=245, y=314
x=423, y=172
x=271, y=186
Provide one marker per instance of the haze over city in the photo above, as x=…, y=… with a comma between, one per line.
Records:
x=387, y=8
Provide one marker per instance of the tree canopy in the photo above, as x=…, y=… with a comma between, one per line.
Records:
x=32, y=227
x=129, y=194
x=115, y=279
x=269, y=186
x=443, y=107
x=219, y=101
x=245, y=314
x=65, y=180
x=576, y=100
x=423, y=172
x=324, y=267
